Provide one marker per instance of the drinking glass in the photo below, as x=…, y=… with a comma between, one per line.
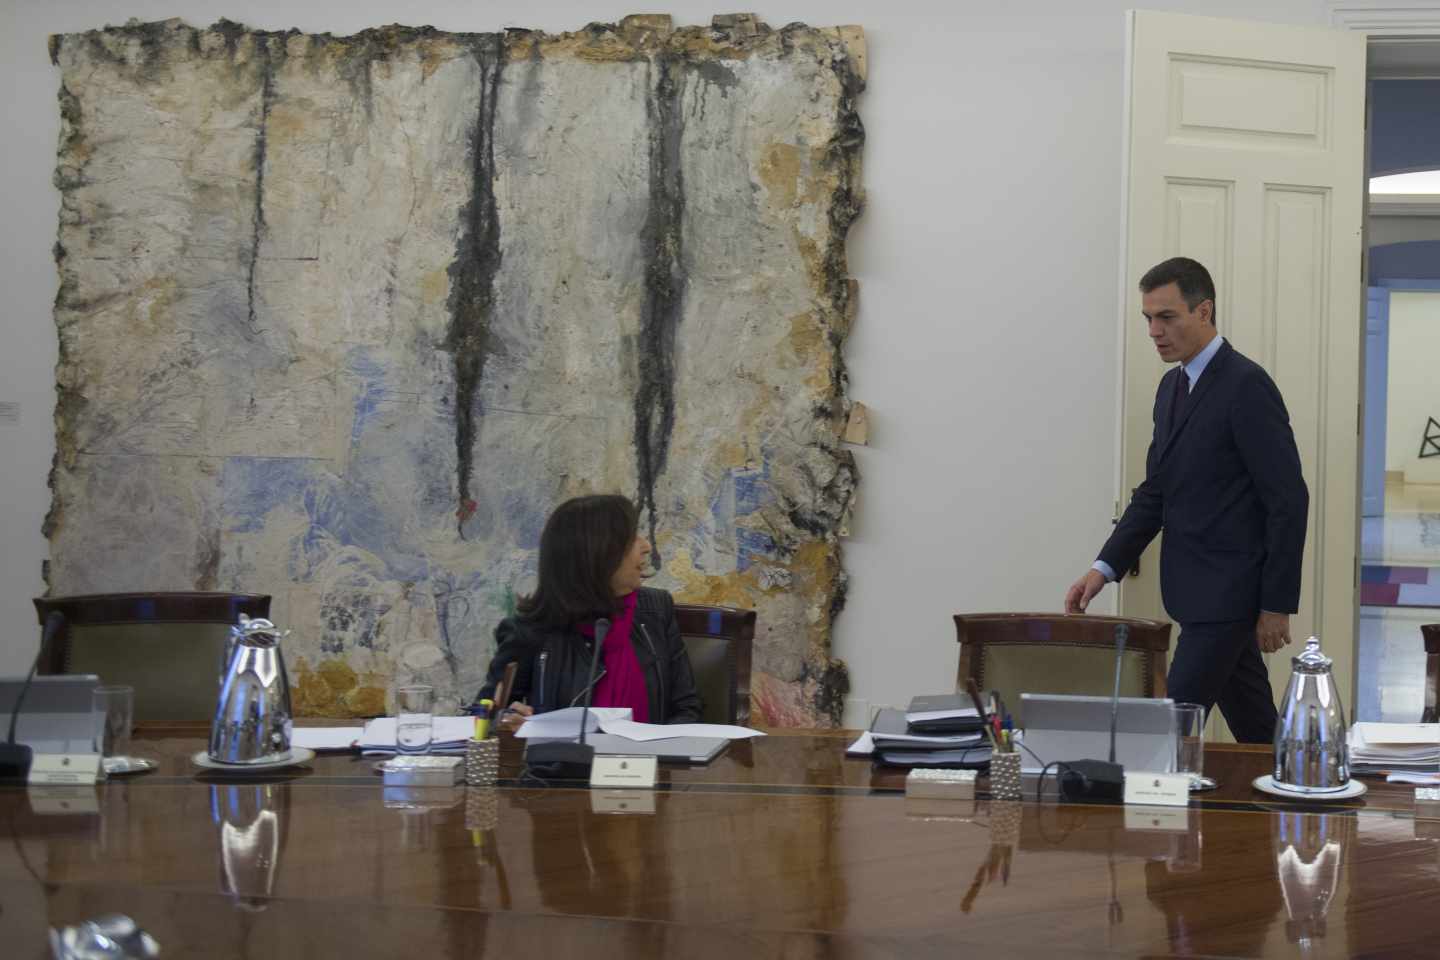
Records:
x=1190, y=744
x=114, y=708
x=415, y=717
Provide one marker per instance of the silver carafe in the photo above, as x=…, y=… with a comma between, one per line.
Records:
x=253, y=718
x=251, y=821
x=1311, y=752
x=1309, y=850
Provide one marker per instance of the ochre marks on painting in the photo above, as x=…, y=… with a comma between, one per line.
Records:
x=435, y=286
x=333, y=689
x=809, y=341
x=788, y=173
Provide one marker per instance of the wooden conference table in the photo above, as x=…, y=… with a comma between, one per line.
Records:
x=783, y=847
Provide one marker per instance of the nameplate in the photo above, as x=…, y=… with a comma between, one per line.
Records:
x=1160, y=789
x=64, y=768
x=77, y=798
x=1158, y=819
x=614, y=771
x=622, y=801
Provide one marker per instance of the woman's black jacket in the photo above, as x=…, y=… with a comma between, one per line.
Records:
x=555, y=661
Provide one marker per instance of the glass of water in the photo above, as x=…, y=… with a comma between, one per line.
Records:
x=1190, y=744
x=415, y=717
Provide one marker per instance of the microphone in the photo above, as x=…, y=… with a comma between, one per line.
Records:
x=1100, y=779
x=15, y=757
x=563, y=760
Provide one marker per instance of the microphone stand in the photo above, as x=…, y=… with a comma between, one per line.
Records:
x=561, y=759
x=15, y=757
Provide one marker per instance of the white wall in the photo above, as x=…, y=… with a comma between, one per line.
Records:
x=987, y=339
x=1413, y=388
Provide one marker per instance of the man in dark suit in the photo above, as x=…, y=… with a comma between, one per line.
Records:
x=1223, y=479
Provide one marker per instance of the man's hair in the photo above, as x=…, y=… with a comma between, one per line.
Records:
x=580, y=549
x=1189, y=275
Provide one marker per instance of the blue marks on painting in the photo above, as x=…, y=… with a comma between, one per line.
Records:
x=372, y=391
x=752, y=546
x=752, y=489
x=526, y=518
x=253, y=486
x=730, y=535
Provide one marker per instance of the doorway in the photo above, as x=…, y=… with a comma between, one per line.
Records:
x=1400, y=503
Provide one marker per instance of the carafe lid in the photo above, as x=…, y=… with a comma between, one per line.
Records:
x=1311, y=660
x=258, y=632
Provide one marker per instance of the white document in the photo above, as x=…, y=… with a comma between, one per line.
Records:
x=1398, y=733
x=566, y=723
x=326, y=738
x=863, y=746
x=1419, y=779
x=645, y=732
x=380, y=732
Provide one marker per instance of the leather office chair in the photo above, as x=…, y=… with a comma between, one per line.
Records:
x=719, y=641
x=1431, y=634
x=167, y=646
x=1016, y=653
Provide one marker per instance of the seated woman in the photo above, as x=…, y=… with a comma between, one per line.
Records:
x=592, y=562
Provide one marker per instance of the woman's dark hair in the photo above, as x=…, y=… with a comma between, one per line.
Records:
x=580, y=549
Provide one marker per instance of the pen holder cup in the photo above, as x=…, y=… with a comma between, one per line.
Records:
x=1005, y=818
x=482, y=762
x=1005, y=776
x=482, y=808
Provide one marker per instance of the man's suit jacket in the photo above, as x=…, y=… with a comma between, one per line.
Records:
x=1225, y=484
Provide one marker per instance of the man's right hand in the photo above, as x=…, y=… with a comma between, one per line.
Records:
x=1082, y=591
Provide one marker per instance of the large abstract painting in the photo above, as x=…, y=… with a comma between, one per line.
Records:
x=342, y=318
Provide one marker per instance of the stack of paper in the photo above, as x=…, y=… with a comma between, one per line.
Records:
x=1385, y=747
x=448, y=735
x=890, y=741
x=565, y=724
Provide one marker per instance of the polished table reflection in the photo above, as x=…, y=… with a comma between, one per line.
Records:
x=781, y=847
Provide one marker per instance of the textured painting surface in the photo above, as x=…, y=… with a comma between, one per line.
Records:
x=342, y=318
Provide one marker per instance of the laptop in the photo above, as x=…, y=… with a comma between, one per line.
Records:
x=1064, y=727
x=670, y=750
x=58, y=715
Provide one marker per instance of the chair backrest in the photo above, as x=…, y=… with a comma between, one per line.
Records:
x=718, y=641
x=1431, y=634
x=167, y=646
x=1015, y=653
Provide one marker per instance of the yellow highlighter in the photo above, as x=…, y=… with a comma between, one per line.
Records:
x=482, y=722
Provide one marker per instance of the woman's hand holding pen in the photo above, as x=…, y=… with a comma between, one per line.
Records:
x=516, y=714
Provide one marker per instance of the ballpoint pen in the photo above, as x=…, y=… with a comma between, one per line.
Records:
x=974, y=691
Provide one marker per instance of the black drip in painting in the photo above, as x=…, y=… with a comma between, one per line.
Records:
x=472, y=275
x=664, y=285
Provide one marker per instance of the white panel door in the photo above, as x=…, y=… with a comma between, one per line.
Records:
x=1245, y=146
